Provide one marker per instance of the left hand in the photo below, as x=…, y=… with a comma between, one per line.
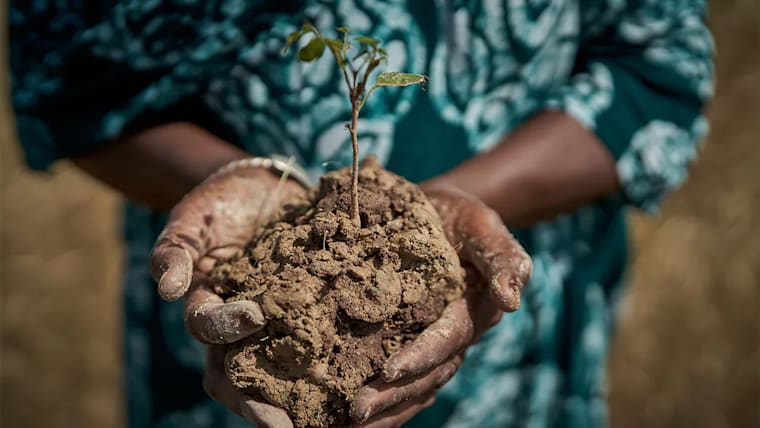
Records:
x=213, y=222
x=497, y=269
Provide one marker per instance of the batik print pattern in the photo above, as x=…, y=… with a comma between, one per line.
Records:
x=83, y=76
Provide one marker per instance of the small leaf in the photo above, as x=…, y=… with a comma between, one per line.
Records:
x=292, y=38
x=313, y=50
x=395, y=78
x=338, y=44
x=337, y=47
x=367, y=40
x=346, y=44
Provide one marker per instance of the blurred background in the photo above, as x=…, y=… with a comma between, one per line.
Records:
x=687, y=350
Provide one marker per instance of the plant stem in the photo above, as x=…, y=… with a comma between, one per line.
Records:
x=355, y=167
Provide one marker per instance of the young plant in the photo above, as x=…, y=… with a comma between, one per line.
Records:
x=356, y=66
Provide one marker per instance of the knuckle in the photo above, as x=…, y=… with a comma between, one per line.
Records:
x=187, y=241
x=487, y=217
x=404, y=393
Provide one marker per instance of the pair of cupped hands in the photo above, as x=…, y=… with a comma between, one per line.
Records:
x=216, y=220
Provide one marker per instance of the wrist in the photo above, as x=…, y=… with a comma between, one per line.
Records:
x=276, y=167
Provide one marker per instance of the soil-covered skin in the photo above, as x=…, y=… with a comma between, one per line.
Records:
x=339, y=299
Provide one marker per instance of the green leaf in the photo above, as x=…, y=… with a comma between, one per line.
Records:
x=346, y=44
x=395, y=78
x=292, y=39
x=313, y=50
x=337, y=47
x=338, y=44
x=367, y=40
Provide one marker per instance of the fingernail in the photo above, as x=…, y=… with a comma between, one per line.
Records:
x=360, y=412
x=367, y=414
x=250, y=313
x=447, y=375
x=174, y=283
x=393, y=375
x=524, y=271
x=505, y=298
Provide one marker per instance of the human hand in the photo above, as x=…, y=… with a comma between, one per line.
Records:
x=497, y=269
x=227, y=322
x=213, y=222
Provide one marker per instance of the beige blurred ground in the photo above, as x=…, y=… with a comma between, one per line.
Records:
x=59, y=307
x=688, y=349
x=688, y=352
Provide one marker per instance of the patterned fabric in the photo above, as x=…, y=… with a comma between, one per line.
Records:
x=635, y=72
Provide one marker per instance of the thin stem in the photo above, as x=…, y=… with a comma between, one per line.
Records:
x=355, y=167
x=343, y=69
x=365, y=58
x=338, y=58
x=371, y=65
x=355, y=74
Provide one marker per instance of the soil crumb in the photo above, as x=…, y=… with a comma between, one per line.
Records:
x=339, y=299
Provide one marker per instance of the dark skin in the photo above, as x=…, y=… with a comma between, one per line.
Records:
x=551, y=155
x=549, y=166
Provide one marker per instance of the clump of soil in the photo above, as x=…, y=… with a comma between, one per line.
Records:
x=339, y=299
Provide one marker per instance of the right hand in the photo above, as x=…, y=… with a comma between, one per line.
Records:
x=214, y=222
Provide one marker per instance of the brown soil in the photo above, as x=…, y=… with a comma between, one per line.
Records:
x=339, y=299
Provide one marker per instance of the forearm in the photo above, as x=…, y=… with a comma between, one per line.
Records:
x=158, y=166
x=549, y=166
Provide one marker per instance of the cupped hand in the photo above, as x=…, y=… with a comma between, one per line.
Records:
x=226, y=326
x=497, y=269
x=212, y=222
x=215, y=221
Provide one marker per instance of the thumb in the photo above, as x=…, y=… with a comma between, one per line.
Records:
x=171, y=263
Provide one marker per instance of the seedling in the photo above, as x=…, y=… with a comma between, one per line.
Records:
x=356, y=64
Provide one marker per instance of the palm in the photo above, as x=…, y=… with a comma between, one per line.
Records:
x=497, y=268
x=215, y=221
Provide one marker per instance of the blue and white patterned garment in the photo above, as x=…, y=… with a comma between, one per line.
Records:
x=637, y=73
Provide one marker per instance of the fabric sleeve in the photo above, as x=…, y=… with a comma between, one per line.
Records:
x=640, y=84
x=83, y=74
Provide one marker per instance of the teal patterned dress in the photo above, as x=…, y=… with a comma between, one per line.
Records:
x=635, y=72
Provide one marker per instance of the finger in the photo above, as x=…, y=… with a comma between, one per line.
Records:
x=219, y=387
x=212, y=321
x=437, y=343
x=497, y=255
x=172, y=267
x=265, y=415
x=398, y=415
x=379, y=395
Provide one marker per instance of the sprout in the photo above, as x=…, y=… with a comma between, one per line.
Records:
x=356, y=71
